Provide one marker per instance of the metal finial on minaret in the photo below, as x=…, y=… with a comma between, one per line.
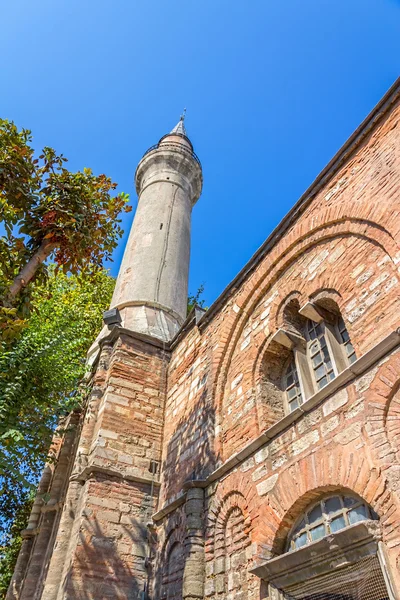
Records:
x=180, y=127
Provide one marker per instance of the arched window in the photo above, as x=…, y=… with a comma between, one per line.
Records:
x=331, y=554
x=291, y=385
x=319, y=344
x=311, y=348
x=328, y=516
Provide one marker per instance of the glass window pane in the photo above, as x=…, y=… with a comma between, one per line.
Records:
x=317, y=359
x=322, y=382
x=357, y=514
x=315, y=514
x=292, y=387
x=332, y=505
x=311, y=331
x=338, y=512
x=352, y=358
x=326, y=354
x=318, y=532
x=349, y=501
x=299, y=527
x=320, y=371
x=345, y=335
x=338, y=523
x=301, y=540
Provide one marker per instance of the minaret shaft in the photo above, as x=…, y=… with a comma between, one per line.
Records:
x=152, y=286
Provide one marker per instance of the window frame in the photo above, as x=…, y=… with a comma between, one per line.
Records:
x=292, y=361
x=333, y=328
x=326, y=519
x=317, y=339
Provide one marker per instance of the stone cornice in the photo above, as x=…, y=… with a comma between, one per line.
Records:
x=90, y=470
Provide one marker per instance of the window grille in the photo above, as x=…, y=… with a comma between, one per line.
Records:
x=362, y=580
x=328, y=516
x=319, y=354
x=292, y=386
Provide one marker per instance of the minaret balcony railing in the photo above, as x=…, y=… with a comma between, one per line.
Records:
x=174, y=146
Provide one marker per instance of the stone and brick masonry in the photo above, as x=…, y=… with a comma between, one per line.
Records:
x=184, y=473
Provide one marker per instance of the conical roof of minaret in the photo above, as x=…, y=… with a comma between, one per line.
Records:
x=180, y=127
x=179, y=131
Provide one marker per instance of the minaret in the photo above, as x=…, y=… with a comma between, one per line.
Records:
x=152, y=285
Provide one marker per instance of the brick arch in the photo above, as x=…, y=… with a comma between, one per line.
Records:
x=175, y=536
x=218, y=515
x=383, y=411
x=281, y=258
x=298, y=509
x=327, y=293
x=230, y=536
x=235, y=491
x=171, y=581
x=276, y=317
x=324, y=471
x=278, y=308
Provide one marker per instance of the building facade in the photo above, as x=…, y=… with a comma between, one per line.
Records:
x=250, y=451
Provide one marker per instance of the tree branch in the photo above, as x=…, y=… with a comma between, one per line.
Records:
x=29, y=270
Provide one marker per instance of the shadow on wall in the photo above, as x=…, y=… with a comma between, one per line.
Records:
x=110, y=562
x=190, y=450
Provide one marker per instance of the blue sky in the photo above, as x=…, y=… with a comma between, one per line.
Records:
x=272, y=90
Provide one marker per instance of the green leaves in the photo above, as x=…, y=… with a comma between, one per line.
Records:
x=40, y=375
x=42, y=203
x=41, y=371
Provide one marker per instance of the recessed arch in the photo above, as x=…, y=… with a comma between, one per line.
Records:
x=264, y=282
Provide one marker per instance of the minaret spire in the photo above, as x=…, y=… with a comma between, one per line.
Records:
x=180, y=126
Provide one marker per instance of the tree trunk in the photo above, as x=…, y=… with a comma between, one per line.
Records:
x=29, y=270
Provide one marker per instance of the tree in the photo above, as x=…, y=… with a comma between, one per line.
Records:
x=48, y=212
x=40, y=375
x=11, y=540
x=196, y=299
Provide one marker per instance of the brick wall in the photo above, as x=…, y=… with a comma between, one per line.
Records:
x=343, y=249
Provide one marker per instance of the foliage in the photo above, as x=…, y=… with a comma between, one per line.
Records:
x=10, y=537
x=196, y=299
x=39, y=375
x=47, y=210
x=41, y=371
